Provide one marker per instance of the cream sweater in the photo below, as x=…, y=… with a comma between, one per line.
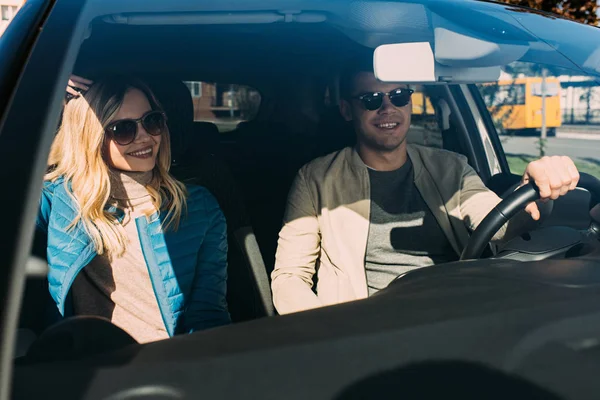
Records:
x=120, y=289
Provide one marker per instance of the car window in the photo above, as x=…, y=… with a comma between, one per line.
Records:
x=8, y=10
x=424, y=128
x=572, y=109
x=224, y=104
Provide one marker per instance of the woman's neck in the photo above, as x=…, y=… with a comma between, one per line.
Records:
x=129, y=185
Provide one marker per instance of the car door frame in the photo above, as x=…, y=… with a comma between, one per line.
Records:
x=489, y=128
x=481, y=131
x=40, y=52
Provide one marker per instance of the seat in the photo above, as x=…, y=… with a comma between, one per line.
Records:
x=205, y=137
x=265, y=159
x=196, y=161
x=335, y=133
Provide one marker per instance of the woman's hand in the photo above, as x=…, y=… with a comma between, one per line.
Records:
x=77, y=85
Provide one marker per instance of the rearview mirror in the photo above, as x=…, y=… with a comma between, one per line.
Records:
x=415, y=63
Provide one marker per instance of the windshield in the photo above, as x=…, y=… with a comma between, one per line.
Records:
x=544, y=38
x=293, y=177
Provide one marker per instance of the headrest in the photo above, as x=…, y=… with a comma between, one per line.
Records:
x=205, y=137
x=176, y=100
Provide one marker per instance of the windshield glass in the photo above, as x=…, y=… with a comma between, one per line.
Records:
x=256, y=130
x=535, y=37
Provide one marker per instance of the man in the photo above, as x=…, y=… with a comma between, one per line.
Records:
x=362, y=216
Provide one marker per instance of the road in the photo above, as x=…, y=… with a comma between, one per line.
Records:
x=578, y=146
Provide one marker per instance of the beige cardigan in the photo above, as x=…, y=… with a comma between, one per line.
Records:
x=326, y=223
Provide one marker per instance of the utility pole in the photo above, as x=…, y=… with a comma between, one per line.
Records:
x=544, y=129
x=231, y=101
x=543, y=134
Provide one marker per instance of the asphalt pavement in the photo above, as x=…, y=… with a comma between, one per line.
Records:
x=585, y=146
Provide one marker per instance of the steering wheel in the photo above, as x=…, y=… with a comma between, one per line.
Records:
x=77, y=337
x=509, y=207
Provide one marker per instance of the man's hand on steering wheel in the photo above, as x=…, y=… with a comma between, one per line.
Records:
x=554, y=176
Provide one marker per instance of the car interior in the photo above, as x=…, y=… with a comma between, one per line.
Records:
x=296, y=69
x=250, y=169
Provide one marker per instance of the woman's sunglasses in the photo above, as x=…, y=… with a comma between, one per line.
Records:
x=124, y=131
x=373, y=101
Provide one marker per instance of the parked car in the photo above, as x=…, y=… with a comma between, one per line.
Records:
x=522, y=323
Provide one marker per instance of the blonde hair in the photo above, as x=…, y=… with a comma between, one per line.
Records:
x=77, y=155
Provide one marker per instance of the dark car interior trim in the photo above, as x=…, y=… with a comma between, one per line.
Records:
x=25, y=161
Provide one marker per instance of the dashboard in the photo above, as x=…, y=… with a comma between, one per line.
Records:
x=478, y=329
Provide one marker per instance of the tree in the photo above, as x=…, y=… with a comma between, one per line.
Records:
x=578, y=10
x=499, y=99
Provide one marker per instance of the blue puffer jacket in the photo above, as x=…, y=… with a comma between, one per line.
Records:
x=188, y=267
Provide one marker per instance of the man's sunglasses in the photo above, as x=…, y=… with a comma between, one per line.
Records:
x=124, y=131
x=373, y=101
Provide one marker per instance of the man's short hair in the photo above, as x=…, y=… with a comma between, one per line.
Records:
x=352, y=68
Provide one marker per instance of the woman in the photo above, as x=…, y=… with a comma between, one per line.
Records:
x=126, y=241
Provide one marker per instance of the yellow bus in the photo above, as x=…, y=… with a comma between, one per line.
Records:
x=516, y=105
x=421, y=105
x=424, y=127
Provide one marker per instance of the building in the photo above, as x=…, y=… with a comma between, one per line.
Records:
x=216, y=101
x=580, y=100
x=8, y=9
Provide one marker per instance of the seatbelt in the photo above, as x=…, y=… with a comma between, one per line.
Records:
x=247, y=242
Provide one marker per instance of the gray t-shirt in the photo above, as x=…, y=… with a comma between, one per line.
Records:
x=403, y=232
